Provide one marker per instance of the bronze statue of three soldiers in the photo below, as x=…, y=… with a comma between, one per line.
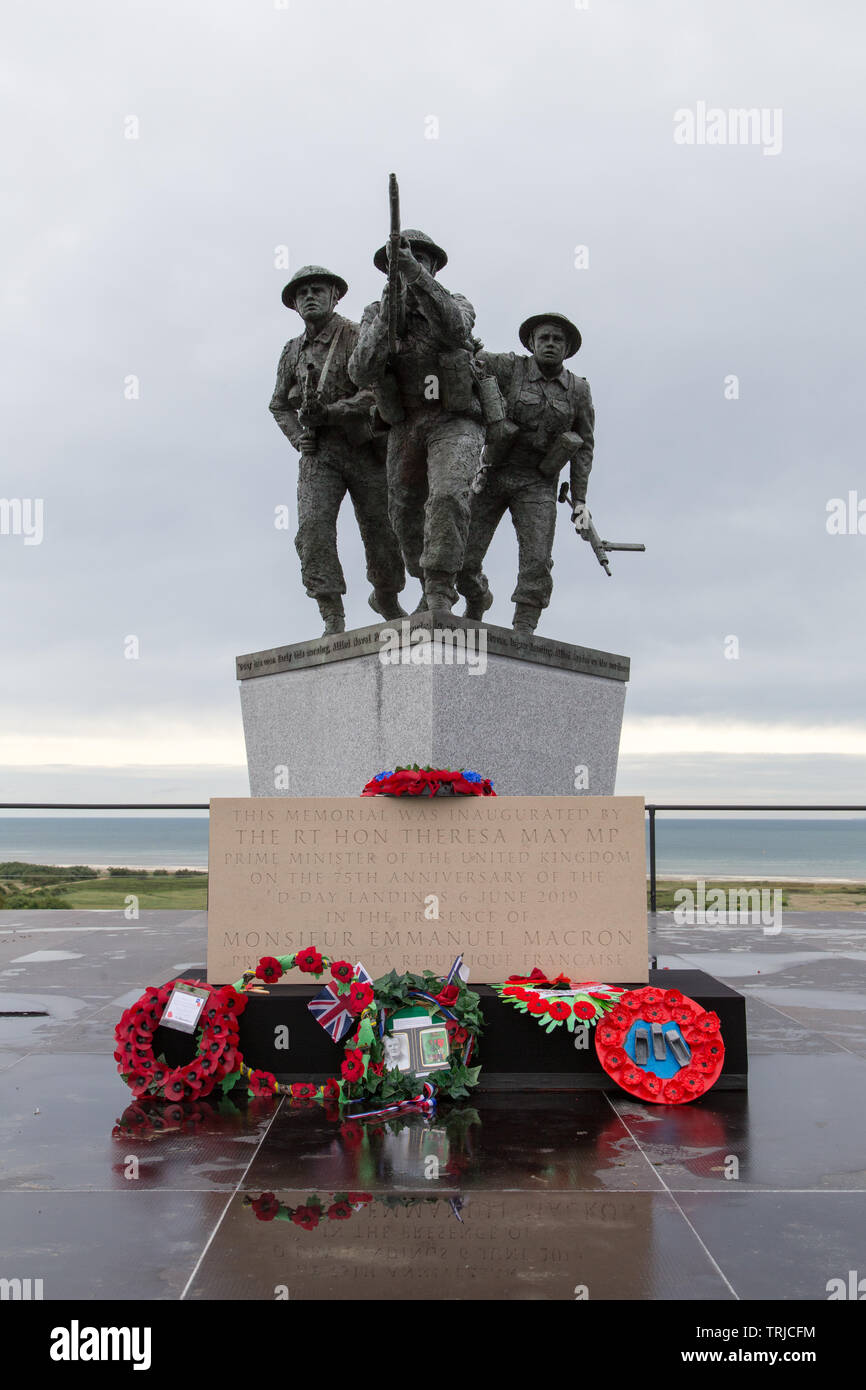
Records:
x=432, y=437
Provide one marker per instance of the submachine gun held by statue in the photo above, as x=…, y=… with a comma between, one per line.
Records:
x=584, y=527
x=311, y=406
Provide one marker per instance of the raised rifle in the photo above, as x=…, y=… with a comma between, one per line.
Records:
x=394, y=285
x=584, y=527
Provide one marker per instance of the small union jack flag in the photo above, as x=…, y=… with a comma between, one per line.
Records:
x=331, y=1009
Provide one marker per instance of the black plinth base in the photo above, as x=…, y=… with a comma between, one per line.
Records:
x=516, y=1055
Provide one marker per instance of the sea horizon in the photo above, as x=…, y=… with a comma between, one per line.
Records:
x=687, y=847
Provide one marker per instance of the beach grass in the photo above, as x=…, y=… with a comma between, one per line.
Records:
x=797, y=896
x=183, y=891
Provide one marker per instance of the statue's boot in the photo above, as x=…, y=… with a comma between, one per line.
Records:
x=440, y=593
x=477, y=607
x=386, y=603
x=331, y=609
x=526, y=617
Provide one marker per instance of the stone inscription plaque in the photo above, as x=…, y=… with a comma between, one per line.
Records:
x=409, y=883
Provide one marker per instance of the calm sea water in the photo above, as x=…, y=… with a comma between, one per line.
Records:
x=705, y=845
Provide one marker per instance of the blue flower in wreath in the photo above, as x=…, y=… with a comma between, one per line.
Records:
x=472, y=777
x=380, y=776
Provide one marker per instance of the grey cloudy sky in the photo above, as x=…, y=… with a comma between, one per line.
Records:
x=261, y=126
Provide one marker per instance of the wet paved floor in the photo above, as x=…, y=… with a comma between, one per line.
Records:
x=739, y=1195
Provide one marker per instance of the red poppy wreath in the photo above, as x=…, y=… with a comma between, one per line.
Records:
x=661, y=1046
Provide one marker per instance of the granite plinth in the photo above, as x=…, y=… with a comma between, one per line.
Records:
x=537, y=716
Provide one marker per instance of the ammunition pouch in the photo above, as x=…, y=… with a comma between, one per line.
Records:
x=455, y=381
x=563, y=448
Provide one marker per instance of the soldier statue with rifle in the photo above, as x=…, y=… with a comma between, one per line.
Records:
x=329, y=422
x=415, y=351
x=552, y=422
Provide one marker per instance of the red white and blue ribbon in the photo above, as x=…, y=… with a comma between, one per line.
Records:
x=424, y=1103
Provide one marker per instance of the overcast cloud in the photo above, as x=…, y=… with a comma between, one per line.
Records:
x=262, y=126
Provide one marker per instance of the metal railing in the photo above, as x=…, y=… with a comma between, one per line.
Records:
x=652, y=808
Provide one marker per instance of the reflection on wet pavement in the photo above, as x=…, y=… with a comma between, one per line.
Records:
x=510, y=1196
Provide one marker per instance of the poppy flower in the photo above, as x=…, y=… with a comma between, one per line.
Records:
x=561, y=982
x=448, y=995
x=611, y=1037
x=703, y=1063
x=673, y=998
x=682, y=1014
x=632, y=1076
x=360, y=995
x=652, y=1085
x=359, y=1199
x=536, y=1004
x=692, y=1082
x=614, y=1059
x=558, y=1008
x=655, y=1013
x=309, y=961
x=353, y=1067
x=269, y=970
x=631, y=1000
x=308, y=1217
x=332, y=1087
x=583, y=1009
x=673, y=1092
x=456, y=1032
x=619, y=1017
x=714, y=1050
x=342, y=971
x=515, y=991
x=174, y=1086
x=231, y=999
x=158, y=1075
x=708, y=1022
x=262, y=1083
x=230, y=1062
x=303, y=1090
x=340, y=1211
x=376, y=1068
x=265, y=1207
x=217, y=1029
x=138, y=1082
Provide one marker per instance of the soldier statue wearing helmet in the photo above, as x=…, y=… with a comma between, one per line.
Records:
x=328, y=420
x=425, y=392
x=553, y=412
